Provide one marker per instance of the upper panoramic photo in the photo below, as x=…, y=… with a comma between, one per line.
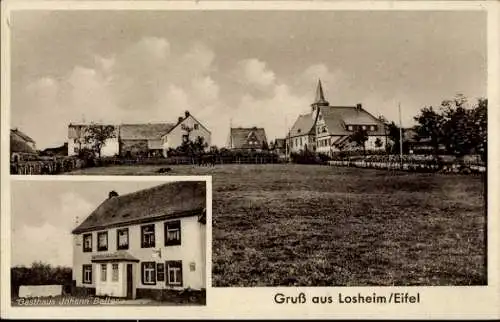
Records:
x=345, y=147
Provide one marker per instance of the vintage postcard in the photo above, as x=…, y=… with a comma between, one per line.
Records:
x=346, y=146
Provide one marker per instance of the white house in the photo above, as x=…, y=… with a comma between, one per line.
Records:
x=142, y=139
x=187, y=128
x=327, y=128
x=146, y=242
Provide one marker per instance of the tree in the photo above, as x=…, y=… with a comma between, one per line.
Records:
x=430, y=126
x=265, y=145
x=378, y=143
x=458, y=125
x=360, y=136
x=479, y=136
x=96, y=135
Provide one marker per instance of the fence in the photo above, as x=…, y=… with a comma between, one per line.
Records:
x=54, y=166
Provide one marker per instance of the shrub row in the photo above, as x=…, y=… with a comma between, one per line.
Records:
x=427, y=166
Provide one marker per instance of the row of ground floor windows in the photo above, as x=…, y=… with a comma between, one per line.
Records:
x=169, y=272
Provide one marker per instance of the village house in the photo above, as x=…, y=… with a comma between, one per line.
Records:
x=22, y=147
x=252, y=138
x=327, y=129
x=146, y=244
x=146, y=140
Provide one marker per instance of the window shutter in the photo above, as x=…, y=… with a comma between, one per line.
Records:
x=179, y=264
x=143, y=265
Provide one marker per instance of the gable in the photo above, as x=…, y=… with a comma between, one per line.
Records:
x=241, y=138
x=303, y=125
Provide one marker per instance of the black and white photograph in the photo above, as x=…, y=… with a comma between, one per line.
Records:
x=92, y=243
x=346, y=145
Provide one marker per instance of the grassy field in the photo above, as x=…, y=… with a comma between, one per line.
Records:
x=307, y=225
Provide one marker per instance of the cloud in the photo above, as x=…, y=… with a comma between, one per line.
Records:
x=48, y=238
x=255, y=72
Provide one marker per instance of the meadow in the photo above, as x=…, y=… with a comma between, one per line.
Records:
x=313, y=225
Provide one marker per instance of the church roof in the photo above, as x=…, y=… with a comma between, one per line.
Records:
x=240, y=138
x=303, y=125
x=170, y=200
x=337, y=118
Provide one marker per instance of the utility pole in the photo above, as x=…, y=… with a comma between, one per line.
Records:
x=400, y=137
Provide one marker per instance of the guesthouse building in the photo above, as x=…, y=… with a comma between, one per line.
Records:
x=149, y=243
x=247, y=139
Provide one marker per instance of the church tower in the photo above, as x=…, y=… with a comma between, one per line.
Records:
x=319, y=101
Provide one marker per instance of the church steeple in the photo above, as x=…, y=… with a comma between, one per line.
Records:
x=320, y=98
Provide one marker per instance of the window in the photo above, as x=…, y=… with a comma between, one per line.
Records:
x=349, y=128
x=363, y=127
x=160, y=272
x=122, y=238
x=148, y=236
x=301, y=141
x=104, y=272
x=75, y=149
x=373, y=128
x=87, y=274
x=174, y=273
x=185, y=138
x=324, y=129
x=115, y=276
x=148, y=273
x=87, y=243
x=172, y=233
x=192, y=266
x=102, y=241
x=196, y=126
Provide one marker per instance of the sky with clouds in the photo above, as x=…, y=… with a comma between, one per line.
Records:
x=43, y=214
x=251, y=68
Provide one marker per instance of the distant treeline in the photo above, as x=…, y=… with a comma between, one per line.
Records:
x=40, y=274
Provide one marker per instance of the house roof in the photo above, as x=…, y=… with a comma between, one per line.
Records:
x=18, y=144
x=22, y=135
x=337, y=118
x=118, y=256
x=303, y=125
x=148, y=131
x=240, y=137
x=75, y=130
x=170, y=200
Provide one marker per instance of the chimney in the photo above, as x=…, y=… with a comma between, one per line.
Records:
x=359, y=106
x=112, y=194
x=186, y=113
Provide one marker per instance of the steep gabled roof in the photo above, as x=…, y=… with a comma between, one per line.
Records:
x=19, y=144
x=170, y=200
x=22, y=135
x=303, y=125
x=240, y=137
x=148, y=131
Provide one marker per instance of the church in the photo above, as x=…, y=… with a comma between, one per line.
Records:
x=327, y=129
